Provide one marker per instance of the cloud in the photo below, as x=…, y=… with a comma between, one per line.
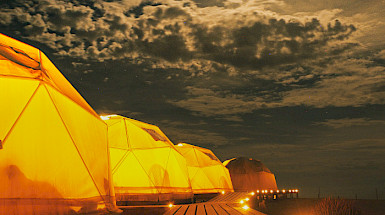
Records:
x=349, y=122
x=247, y=36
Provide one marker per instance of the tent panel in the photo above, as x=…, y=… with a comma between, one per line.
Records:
x=116, y=157
x=130, y=177
x=176, y=177
x=40, y=160
x=200, y=183
x=117, y=136
x=89, y=134
x=14, y=94
x=154, y=162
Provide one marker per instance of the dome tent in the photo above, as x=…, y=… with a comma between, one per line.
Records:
x=145, y=165
x=49, y=139
x=206, y=171
x=248, y=174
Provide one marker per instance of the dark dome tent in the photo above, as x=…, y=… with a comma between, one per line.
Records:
x=248, y=174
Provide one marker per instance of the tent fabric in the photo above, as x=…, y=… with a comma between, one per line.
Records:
x=248, y=174
x=206, y=171
x=145, y=165
x=54, y=148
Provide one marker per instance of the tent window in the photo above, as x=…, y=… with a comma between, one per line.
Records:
x=212, y=157
x=155, y=135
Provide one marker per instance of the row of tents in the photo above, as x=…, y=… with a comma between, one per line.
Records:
x=58, y=156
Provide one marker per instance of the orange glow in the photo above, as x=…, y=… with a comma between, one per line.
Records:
x=170, y=205
x=245, y=207
x=252, y=193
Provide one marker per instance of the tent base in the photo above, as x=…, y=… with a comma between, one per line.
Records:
x=152, y=199
x=29, y=206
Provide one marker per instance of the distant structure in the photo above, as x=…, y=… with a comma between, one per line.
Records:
x=248, y=174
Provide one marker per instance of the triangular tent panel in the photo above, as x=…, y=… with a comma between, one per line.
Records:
x=248, y=174
x=153, y=171
x=207, y=173
x=53, y=146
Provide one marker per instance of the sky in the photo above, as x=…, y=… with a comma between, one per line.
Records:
x=299, y=85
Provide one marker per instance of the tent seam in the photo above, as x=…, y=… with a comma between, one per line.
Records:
x=85, y=165
x=21, y=113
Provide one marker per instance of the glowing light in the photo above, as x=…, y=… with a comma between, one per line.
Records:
x=247, y=199
x=277, y=191
x=223, y=192
x=289, y=191
x=242, y=202
x=245, y=207
x=271, y=191
x=283, y=191
x=263, y=191
x=107, y=117
x=257, y=191
x=181, y=144
x=296, y=191
x=252, y=193
x=170, y=205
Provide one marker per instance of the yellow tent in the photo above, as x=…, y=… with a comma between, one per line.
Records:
x=53, y=146
x=145, y=165
x=248, y=174
x=206, y=171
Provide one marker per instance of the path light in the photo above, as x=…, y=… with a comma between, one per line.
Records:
x=283, y=191
x=170, y=205
x=223, y=192
x=252, y=193
x=277, y=191
x=289, y=191
x=247, y=199
x=245, y=207
x=271, y=191
x=296, y=191
x=263, y=191
x=242, y=202
x=257, y=191
x=180, y=144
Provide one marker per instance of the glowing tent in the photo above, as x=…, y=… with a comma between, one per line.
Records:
x=248, y=174
x=53, y=146
x=145, y=165
x=206, y=171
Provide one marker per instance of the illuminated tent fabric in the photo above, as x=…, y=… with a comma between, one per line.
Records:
x=206, y=171
x=145, y=164
x=53, y=146
x=248, y=174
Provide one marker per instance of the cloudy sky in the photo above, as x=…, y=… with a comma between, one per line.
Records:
x=299, y=85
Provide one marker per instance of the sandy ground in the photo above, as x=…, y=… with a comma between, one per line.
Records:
x=305, y=207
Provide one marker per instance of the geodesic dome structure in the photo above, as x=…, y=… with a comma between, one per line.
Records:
x=53, y=146
x=206, y=171
x=146, y=167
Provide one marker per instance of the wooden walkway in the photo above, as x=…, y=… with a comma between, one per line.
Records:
x=227, y=204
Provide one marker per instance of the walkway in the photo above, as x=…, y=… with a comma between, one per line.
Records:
x=227, y=204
